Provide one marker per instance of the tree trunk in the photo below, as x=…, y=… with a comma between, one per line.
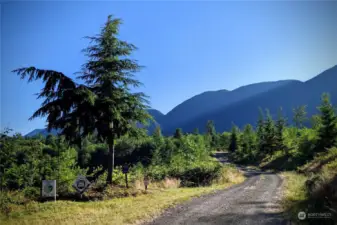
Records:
x=111, y=161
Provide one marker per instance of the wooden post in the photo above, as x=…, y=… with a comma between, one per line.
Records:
x=146, y=182
x=126, y=180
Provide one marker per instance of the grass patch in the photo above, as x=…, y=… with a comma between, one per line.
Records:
x=294, y=194
x=310, y=194
x=127, y=210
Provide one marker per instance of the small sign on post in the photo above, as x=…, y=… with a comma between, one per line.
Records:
x=49, y=188
x=125, y=170
x=81, y=184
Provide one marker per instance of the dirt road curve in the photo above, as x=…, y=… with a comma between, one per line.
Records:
x=252, y=202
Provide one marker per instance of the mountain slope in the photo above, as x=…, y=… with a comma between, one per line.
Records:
x=157, y=116
x=287, y=96
x=213, y=100
x=42, y=132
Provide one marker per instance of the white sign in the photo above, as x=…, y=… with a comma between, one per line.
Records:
x=49, y=188
x=81, y=184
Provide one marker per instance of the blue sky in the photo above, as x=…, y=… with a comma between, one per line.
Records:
x=187, y=47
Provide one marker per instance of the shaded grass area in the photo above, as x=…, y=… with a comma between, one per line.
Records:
x=126, y=210
x=283, y=162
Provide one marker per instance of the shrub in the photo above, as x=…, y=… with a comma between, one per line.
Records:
x=31, y=192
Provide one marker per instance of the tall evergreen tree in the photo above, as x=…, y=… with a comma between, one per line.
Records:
x=328, y=128
x=279, y=127
x=300, y=116
x=157, y=136
x=211, y=133
x=260, y=131
x=316, y=122
x=178, y=133
x=196, y=131
x=270, y=137
x=248, y=143
x=104, y=105
x=210, y=128
x=234, y=139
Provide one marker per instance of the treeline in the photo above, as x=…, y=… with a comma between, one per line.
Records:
x=27, y=161
x=297, y=144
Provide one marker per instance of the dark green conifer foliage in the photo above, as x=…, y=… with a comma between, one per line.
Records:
x=104, y=105
x=178, y=133
x=234, y=139
x=328, y=128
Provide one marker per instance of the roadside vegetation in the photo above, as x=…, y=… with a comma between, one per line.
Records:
x=306, y=153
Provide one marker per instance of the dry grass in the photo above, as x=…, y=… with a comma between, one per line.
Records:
x=127, y=210
x=294, y=194
x=229, y=175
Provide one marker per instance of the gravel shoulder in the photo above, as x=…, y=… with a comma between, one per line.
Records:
x=254, y=201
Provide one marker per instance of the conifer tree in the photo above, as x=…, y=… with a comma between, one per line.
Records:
x=328, y=128
x=104, y=104
x=157, y=136
x=248, y=143
x=211, y=133
x=260, y=132
x=270, y=137
x=280, y=125
x=178, y=133
x=196, y=131
x=300, y=116
x=234, y=139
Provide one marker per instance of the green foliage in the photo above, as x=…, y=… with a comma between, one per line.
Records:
x=104, y=105
x=260, y=131
x=31, y=161
x=270, y=139
x=328, y=128
x=178, y=133
x=234, y=139
x=279, y=128
x=157, y=136
x=248, y=150
x=300, y=114
x=212, y=136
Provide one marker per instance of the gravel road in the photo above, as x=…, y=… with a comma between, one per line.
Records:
x=254, y=201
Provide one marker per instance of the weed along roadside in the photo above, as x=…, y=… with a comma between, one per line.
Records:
x=125, y=206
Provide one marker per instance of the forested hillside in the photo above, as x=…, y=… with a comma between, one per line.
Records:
x=288, y=97
x=211, y=101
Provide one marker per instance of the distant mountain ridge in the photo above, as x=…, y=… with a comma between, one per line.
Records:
x=43, y=132
x=153, y=112
x=240, y=106
x=286, y=96
x=213, y=100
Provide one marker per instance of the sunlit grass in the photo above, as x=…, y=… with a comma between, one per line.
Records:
x=128, y=210
x=294, y=193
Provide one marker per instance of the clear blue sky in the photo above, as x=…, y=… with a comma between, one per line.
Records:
x=187, y=47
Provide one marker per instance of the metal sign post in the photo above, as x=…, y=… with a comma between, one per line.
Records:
x=49, y=188
x=125, y=170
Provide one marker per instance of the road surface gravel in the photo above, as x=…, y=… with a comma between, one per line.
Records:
x=254, y=201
